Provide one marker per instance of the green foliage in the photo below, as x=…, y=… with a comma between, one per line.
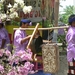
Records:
x=15, y=22
x=47, y=23
x=67, y=12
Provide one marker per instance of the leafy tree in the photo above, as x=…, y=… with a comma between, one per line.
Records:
x=67, y=11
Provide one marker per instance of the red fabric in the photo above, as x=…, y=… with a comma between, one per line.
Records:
x=43, y=4
x=71, y=66
x=38, y=65
x=52, y=3
x=10, y=37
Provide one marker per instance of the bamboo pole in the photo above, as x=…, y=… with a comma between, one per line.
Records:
x=32, y=35
x=64, y=27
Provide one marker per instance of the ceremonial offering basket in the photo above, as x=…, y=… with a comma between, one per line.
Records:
x=50, y=56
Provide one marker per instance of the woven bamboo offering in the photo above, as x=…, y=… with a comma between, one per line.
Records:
x=50, y=55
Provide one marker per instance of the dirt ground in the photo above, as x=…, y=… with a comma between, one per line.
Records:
x=62, y=65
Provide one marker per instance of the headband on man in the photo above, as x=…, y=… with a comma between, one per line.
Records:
x=26, y=21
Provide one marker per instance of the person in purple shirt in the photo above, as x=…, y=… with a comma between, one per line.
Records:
x=4, y=37
x=20, y=36
x=70, y=39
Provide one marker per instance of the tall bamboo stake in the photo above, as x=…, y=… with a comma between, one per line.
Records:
x=32, y=35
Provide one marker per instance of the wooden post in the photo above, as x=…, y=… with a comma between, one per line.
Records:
x=56, y=12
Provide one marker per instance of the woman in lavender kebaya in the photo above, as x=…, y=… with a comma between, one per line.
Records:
x=20, y=36
x=70, y=38
x=4, y=37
